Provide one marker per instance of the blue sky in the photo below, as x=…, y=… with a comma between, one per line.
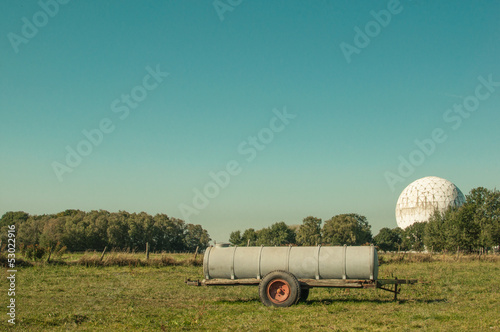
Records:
x=351, y=117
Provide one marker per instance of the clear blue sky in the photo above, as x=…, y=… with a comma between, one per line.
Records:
x=66, y=68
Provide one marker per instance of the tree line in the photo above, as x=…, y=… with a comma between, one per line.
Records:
x=475, y=226
x=471, y=227
x=349, y=229
x=78, y=230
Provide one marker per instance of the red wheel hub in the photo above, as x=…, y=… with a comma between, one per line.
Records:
x=278, y=290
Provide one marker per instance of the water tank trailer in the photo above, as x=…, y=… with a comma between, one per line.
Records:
x=285, y=274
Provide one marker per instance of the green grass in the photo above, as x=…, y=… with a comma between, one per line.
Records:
x=456, y=295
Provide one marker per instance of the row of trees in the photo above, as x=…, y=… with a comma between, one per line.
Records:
x=78, y=230
x=473, y=226
x=411, y=238
x=350, y=229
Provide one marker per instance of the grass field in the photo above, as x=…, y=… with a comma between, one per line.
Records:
x=456, y=295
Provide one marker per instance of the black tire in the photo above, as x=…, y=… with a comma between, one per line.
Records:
x=279, y=289
x=304, y=294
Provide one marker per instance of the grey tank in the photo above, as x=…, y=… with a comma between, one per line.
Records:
x=319, y=262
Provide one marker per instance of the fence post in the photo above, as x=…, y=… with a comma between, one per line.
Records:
x=50, y=253
x=196, y=253
x=103, y=252
x=147, y=250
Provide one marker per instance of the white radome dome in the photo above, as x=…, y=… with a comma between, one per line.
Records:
x=422, y=197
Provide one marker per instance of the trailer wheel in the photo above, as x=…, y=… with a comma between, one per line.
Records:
x=279, y=289
x=304, y=294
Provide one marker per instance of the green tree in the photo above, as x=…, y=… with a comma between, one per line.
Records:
x=309, y=233
x=10, y=218
x=28, y=233
x=491, y=236
x=412, y=237
x=171, y=232
x=277, y=234
x=53, y=232
x=456, y=228
x=69, y=212
x=136, y=233
x=349, y=229
x=435, y=232
x=249, y=237
x=235, y=238
x=196, y=236
x=387, y=239
x=95, y=228
x=474, y=225
x=117, y=232
x=149, y=229
x=462, y=232
x=485, y=208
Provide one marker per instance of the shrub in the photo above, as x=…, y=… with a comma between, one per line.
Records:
x=34, y=252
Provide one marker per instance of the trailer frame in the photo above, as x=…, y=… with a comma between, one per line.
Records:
x=384, y=284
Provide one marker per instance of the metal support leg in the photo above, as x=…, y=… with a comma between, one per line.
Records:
x=396, y=290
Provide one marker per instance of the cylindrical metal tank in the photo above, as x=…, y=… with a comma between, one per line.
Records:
x=304, y=262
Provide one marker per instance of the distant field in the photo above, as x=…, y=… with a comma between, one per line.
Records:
x=461, y=295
